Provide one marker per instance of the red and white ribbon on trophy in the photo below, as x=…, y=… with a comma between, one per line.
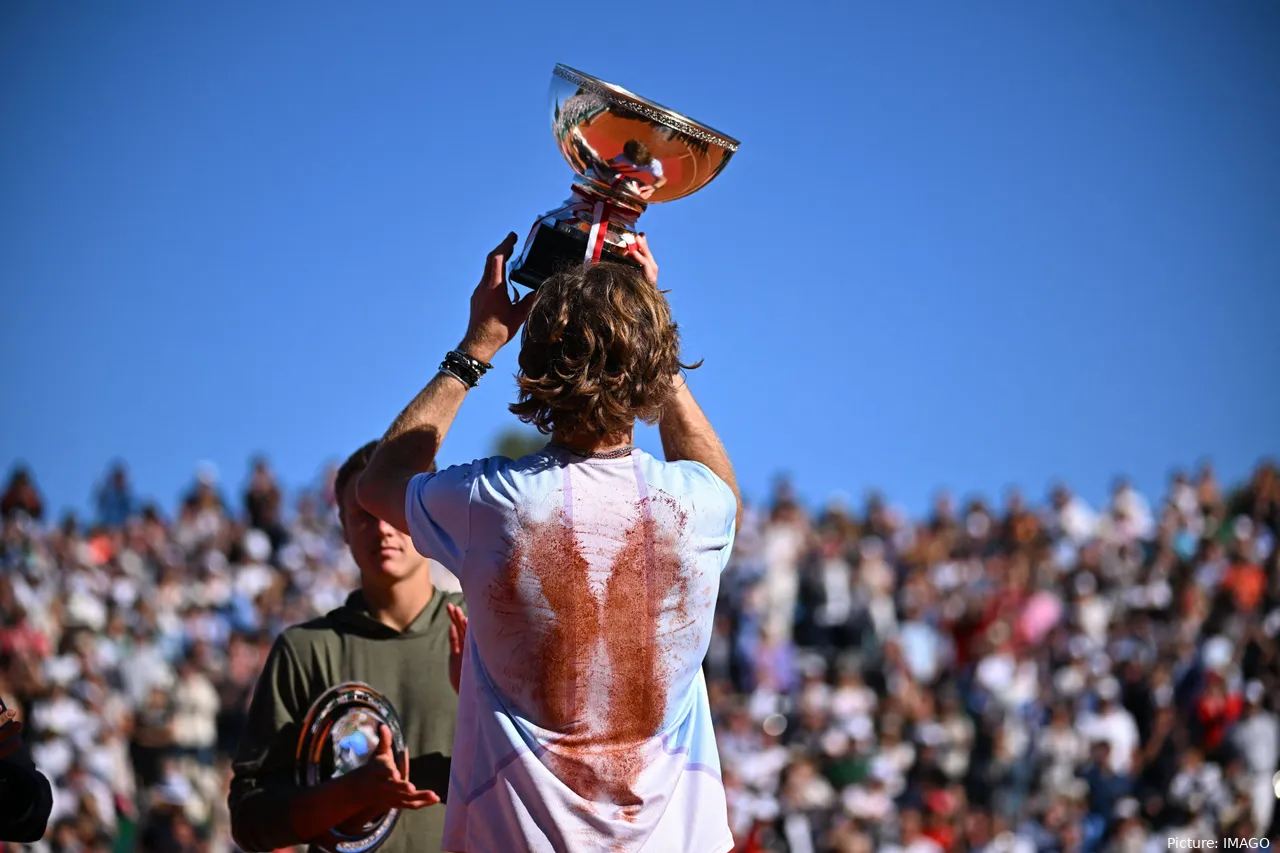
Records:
x=599, y=231
x=601, y=212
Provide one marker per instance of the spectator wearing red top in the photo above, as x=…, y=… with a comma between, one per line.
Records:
x=940, y=819
x=1217, y=709
x=1247, y=583
x=22, y=639
x=911, y=834
x=940, y=831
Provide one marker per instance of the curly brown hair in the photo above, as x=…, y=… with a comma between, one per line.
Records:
x=598, y=352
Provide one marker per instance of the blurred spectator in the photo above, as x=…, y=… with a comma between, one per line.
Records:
x=1216, y=710
x=1070, y=519
x=1256, y=739
x=115, y=500
x=1113, y=725
x=263, y=503
x=20, y=496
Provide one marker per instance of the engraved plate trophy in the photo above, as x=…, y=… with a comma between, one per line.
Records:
x=340, y=734
x=628, y=152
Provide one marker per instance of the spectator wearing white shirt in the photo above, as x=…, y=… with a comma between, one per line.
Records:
x=783, y=544
x=1091, y=610
x=1256, y=738
x=1130, y=511
x=1198, y=788
x=1061, y=749
x=1114, y=725
x=922, y=645
x=852, y=699
x=1070, y=517
x=195, y=712
x=896, y=755
x=871, y=800
x=80, y=789
x=61, y=713
x=955, y=746
x=144, y=666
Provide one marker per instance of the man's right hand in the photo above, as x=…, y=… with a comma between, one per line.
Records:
x=383, y=786
x=639, y=252
x=346, y=804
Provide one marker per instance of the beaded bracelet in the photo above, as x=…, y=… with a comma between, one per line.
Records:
x=464, y=368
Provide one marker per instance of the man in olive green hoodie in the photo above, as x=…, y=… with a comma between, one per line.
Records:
x=393, y=634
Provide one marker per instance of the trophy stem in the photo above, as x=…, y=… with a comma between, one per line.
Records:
x=586, y=228
x=596, y=191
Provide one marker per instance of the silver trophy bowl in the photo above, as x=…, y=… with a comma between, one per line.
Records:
x=627, y=152
x=339, y=735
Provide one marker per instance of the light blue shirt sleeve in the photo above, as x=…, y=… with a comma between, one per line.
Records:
x=717, y=508
x=437, y=508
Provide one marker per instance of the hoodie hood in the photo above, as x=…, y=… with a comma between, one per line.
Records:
x=355, y=614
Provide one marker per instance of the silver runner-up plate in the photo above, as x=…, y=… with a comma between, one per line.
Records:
x=339, y=735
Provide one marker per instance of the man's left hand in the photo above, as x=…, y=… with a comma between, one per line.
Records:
x=457, y=641
x=10, y=733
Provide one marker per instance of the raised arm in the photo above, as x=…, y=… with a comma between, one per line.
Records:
x=686, y=433
x=413, y=439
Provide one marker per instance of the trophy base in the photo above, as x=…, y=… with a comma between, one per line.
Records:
x=588, y=227
x=551, y=250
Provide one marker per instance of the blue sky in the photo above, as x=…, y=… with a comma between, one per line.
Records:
x=963, y=245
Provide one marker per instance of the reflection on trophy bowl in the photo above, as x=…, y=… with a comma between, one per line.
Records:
x=629, y=148
x=340, y=735
x=627, y=152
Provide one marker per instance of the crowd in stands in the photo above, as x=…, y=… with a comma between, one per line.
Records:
x=1027, y=678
